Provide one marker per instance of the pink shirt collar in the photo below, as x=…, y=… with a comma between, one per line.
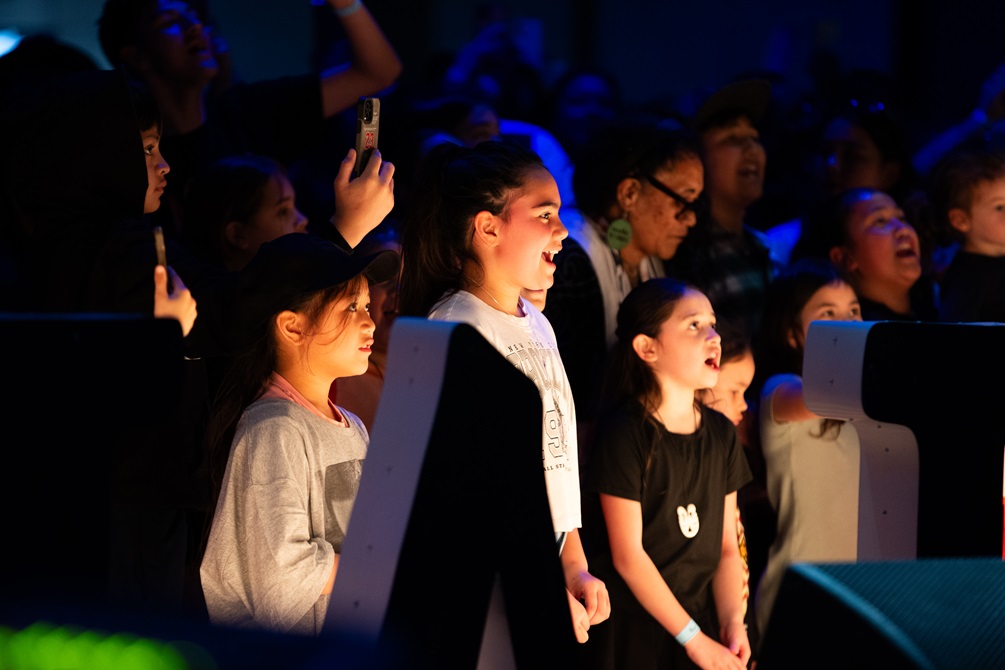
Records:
x=278, y=387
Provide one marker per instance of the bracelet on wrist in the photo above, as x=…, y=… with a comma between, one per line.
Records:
x=688, y=632
x=351, y=8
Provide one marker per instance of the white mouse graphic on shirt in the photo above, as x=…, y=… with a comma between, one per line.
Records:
x=688, y=520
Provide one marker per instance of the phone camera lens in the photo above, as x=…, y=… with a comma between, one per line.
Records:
x=368, y=111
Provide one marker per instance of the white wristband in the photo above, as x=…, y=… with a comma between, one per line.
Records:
x=688, y=632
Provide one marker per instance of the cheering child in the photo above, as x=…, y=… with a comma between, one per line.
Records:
x=484, y=228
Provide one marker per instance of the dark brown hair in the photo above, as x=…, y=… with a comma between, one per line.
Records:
x=454, y=183
x=958, y=175
x=787, y=294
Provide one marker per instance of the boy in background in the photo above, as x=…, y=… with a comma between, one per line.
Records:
x=969, y=189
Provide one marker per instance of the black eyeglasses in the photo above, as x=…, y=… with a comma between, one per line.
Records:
x=695, y=206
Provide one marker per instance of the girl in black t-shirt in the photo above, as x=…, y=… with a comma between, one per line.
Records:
x=666, y=470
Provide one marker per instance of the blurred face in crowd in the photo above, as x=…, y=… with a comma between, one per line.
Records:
x=851, y=159
x=734, y=163
x=277, y=215
x=587, y=97
x=383, y=311
x=480, y=125
x=583, y=105
x=727, y=396
x=384, y=304
x=175, y=46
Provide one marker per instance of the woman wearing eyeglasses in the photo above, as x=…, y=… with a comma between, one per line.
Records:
x=637, y=191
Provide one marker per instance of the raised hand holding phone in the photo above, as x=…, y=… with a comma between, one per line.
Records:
x=362, y=203
x=364, y=185
x=175, y=302
x=161, y=251
x=367, y=132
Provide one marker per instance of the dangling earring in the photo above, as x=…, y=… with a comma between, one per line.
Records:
x=619, y=233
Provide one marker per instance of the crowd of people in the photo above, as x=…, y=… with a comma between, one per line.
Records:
x=656, y=285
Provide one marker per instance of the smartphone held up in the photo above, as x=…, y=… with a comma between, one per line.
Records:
x=367, y=131
x=159, y=246
x=161, y=252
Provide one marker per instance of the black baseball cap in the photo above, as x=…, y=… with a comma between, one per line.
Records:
x=291, y=266
x=749, y=96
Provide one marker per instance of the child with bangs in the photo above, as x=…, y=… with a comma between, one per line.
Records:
x=811, y=462
x=287, y=493
x=666, y=469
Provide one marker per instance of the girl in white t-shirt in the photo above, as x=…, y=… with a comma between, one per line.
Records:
x=483, y=228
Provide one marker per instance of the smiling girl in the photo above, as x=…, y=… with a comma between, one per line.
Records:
x=485, y=228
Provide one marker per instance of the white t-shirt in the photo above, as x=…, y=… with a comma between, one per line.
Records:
x=528, y=342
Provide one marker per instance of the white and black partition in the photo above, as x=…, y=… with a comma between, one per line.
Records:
x=925, y=400
x=452, y=520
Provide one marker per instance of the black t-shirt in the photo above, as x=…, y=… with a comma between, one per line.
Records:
x=973, y=289
x=923, y=301
x=634, y=457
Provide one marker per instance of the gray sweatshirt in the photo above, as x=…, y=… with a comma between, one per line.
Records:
x=284, y=507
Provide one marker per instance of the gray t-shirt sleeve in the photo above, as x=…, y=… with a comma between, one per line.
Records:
x=284, y=507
